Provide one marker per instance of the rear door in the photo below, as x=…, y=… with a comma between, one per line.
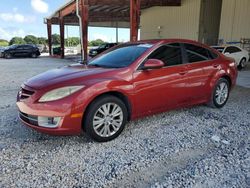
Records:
x=160, y=89
x=27, y=50
x=198, y=62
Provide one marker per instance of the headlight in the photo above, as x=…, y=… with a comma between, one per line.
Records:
x=59, y=93
x=94, y=52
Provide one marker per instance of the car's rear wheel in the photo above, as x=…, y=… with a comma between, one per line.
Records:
x=105, y=118
x=242, y=64
x=34, y=55
x=8, y=56
x=220, y=94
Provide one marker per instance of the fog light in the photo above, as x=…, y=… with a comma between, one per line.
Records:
x=48, y=122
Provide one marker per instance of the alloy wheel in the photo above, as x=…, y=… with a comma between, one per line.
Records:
x=221, y=93
x=243, y=63
x=33, y=55
x=108, y=119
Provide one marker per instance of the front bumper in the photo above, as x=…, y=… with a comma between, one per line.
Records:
x=70, y=117
x=68, y=124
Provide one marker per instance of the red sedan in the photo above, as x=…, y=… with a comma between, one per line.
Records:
x=129, y=81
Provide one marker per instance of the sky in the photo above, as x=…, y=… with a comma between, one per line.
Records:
x=25, y=17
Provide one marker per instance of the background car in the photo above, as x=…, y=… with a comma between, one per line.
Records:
x=26, y=50
x=240, y=55
x=1, y=51
x=131, y=80
x=100, y=49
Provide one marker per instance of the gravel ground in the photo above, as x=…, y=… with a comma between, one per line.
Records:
x=195, y=147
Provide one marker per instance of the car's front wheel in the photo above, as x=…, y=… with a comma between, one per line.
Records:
x=220, y=94
x=105, y=118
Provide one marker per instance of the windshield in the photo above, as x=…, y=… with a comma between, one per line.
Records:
x=12, y=47
x=102, y=46
x=122, y=56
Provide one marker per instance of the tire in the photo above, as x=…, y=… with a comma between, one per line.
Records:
x=220, y=97
x=34, y=55
x=97, y=123
x=242, y=64
x=8, y=56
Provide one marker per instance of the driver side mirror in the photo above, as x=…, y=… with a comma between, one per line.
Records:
x=227, y=53
x=153, y=64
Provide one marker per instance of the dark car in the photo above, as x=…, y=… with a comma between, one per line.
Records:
x=1, y=51
x=26, y=50
x=100, y=49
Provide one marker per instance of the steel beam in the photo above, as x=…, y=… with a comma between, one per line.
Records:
x=84, y=11
x=61, y=25
x=134, y=19
x=49, y=30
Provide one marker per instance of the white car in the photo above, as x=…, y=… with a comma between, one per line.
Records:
x=240, y=55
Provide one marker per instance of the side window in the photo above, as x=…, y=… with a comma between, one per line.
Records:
x=20, y=47
x=27, y=47
x=232, y=49
x=170, y=54
x=196, y=53
x=212, y=55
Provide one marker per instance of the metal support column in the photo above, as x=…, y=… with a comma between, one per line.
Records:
x=62, y=36
x=49, y=30
x=134, y=19
x=85, y=21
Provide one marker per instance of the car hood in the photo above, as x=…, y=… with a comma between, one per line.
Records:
x=65, y=75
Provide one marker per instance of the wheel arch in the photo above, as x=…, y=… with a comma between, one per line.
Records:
x=244, y=58
x=228, y=79
x=117, y=94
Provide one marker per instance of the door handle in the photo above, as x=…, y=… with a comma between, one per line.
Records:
x=183, y=72
x=216, y=65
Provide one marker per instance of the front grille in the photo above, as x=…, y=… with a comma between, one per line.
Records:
x=32, y=120
x=25, y=94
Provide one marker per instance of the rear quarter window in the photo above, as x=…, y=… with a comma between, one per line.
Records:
x=197, y=53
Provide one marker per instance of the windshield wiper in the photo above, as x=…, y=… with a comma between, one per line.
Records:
x=102, y=66
x=96, y=65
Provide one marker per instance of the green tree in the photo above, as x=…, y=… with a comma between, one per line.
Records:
x=4, y=42
x=72, y=41
x=31, y=39
x=96, y=42
x=55, y=39
x=42, y=40
x=16, y=40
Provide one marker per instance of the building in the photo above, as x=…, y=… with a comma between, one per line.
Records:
x=207, y=21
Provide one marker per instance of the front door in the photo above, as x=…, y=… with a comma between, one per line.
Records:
x=19, y=51
x=160, y=89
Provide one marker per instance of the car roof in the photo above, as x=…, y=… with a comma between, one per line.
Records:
x=225, y=46
x=155, y=41
x=218, y=46
x=162, y=41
